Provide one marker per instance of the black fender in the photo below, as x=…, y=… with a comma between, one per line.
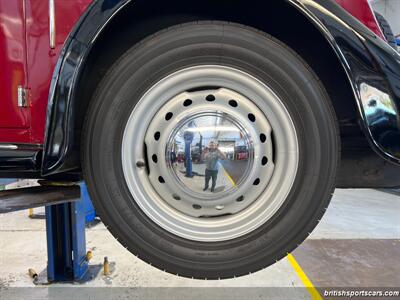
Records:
x=372, y=68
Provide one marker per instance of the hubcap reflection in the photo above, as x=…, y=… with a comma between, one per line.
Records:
x=210, y=154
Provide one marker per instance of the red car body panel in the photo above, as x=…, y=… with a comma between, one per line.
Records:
x=27, y=60
x=13, y=69
x=361, y=10
x=42, y=59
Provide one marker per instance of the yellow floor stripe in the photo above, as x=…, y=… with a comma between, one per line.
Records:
x=229, y=177
x=315, y=295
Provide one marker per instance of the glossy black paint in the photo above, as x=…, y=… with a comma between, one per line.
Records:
x=25, y=158
x=25, y=161
x=368, y=60
x=365, y=58
x=60, y=155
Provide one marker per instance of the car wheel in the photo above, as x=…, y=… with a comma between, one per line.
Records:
x=256, y=119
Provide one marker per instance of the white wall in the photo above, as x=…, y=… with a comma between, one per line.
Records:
x=390, y=9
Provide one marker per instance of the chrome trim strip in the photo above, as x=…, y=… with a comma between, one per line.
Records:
x=52, y=24
x=8, y=147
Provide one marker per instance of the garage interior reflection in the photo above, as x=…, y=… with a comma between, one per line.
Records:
x=210, y=154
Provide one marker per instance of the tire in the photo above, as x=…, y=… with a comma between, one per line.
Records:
x=217, y=44
x=386, y=30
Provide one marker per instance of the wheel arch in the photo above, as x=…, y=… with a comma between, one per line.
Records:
x=109, y=28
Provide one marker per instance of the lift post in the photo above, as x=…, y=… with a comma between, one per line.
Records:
x=66, y=241
x=68, y=208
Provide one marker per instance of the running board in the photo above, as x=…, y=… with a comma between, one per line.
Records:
x=20, y=157
x=20, y=160
x=24, y=198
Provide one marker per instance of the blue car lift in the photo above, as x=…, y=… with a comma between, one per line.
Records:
x=67, y=210
x=66, y=239
x=188, y=137
x=66, y=242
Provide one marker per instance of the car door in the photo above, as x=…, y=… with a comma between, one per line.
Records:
x=48, y=24
x=14, y=111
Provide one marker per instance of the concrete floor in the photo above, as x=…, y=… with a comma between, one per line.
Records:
x=357, y=244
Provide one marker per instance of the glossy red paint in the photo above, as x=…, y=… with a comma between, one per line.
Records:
x=27, y=60
x=41, y=59
x=13, y=68
x=361, y=9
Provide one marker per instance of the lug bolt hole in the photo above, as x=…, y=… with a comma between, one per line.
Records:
x=187, y=102
x=240, y=199
x=263, y=138
x=233, y=103
x=196, y=206
x=252, y=117
x=257, y=181
x=176, y=197
x=210, y=98
x=169, y=116
x=154, y=158
x=161, y=179
x=157, y=135
x=264, y=161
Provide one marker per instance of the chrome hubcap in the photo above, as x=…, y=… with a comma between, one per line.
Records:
x=219, y=137
x=199, y=157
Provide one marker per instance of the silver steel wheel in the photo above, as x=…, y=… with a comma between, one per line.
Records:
x=224, y=119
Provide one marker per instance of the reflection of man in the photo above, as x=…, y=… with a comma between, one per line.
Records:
x=211, y=156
